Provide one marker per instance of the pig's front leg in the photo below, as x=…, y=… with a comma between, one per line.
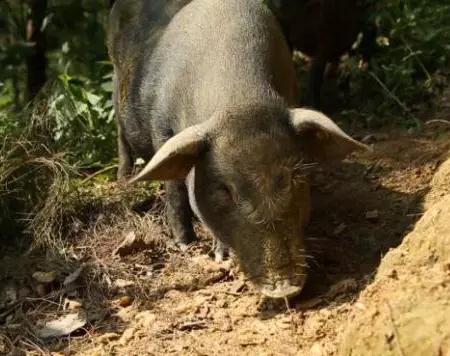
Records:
x=179, y=213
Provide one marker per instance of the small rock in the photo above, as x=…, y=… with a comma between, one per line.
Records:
x=340, y=229
x=372, y=215
x=44, y=277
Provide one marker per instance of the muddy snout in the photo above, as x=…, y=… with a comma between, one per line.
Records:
x=284, y=288
x=275, y=265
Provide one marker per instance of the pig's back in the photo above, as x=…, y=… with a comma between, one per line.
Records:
x=214, y=55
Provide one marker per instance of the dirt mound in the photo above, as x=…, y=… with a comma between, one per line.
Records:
x=137, y=294
x=406, y=310
x=440, y=185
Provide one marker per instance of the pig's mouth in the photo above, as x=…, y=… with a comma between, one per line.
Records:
x=284, y=288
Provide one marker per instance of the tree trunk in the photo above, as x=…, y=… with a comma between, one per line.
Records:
x=36, y=60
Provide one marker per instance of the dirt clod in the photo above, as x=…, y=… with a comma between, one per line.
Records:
x=45, y=277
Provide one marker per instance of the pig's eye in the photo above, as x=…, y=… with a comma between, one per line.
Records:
x=282, y=181
x=225, y=191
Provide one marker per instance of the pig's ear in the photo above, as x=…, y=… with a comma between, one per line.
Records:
x=321, y=138
x=176, y=157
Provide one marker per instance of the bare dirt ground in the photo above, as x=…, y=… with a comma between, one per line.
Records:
x=147, y=298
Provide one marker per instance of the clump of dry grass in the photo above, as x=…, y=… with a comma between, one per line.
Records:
x=29, y=171
x=29, y=168
x=43, y=191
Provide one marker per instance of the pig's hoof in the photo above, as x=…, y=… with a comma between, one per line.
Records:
x=186, y=240
x=183, y=246
x=221, y=253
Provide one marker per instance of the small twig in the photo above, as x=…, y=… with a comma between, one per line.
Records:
x=438, y=121
x=394, y=97
x=12, y=308
x=193, y=325
x=417, y=58
x=103, y=170
x=397, y=338
x=30, y=344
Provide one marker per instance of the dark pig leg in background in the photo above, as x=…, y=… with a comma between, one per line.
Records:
x=316, y=74
x=124, y=151
x=221, y=251
x=125, y=158
x=179, y=213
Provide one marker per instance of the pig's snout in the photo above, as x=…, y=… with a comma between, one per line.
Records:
x=282, y=288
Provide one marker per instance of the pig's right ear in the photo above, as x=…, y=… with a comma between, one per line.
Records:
x=320, y=137
x=177, y=156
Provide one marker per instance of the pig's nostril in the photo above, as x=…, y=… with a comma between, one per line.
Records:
x=282, y=289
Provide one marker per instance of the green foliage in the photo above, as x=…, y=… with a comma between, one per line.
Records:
x=82, y=117
x=411, y=63
x=77, y=99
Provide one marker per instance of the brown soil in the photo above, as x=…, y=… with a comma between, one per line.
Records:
x=154, y=300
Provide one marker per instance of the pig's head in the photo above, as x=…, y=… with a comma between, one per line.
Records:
x=246, y=173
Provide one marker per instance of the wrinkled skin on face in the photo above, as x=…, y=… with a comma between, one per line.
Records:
x=255, y=199
x=248, y=184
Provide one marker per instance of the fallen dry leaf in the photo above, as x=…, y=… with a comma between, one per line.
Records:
x=65, y=325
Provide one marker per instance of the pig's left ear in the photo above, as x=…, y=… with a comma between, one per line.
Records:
x=177, y=156
x=320, y=137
